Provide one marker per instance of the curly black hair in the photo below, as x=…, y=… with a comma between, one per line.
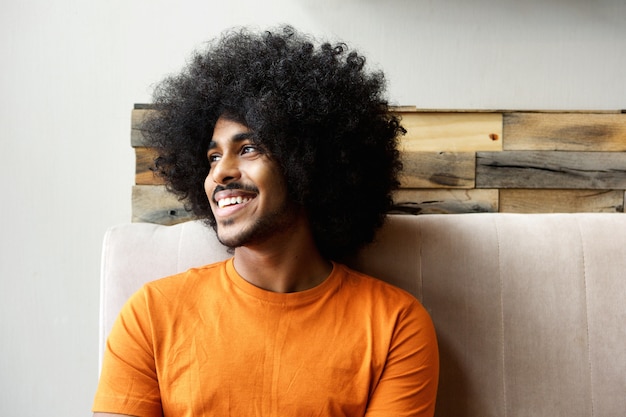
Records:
x=314, y=108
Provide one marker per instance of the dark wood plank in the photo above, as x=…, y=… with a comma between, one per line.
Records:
x=561, y=201
x=565, y=131
x=137, y=117
x=438, y=170
x=154, y=204
x=428, y=201
x=552, y=170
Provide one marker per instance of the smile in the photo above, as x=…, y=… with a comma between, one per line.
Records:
x=231, y=201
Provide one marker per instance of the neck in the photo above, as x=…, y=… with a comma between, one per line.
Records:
x=289, y=262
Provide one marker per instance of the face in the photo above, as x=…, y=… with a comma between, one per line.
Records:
x=245, y=188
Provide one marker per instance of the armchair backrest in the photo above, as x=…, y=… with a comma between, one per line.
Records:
x=530, y=310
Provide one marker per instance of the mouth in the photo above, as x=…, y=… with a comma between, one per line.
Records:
x=232, y=201
x=233, y=195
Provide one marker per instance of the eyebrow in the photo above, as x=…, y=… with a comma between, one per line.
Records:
x=239, y=137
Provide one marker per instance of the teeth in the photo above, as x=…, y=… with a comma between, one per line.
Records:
x=229, y=201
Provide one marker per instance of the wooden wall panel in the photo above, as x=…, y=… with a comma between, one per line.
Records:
x=137, y=116
x=561, y=201
x=438, y=170
x=144, y=162
x=565, y=132
x=154, y=204
x=429, y=201
x=537, y=169
x=468, y=162
x=452, y=132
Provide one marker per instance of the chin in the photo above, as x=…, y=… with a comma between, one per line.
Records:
x=236, y=238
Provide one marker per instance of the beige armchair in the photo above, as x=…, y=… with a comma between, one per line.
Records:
x=530, y=309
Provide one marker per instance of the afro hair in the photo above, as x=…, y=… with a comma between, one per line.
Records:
x=313, y=107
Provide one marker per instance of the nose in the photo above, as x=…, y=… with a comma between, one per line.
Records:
x=225, y=170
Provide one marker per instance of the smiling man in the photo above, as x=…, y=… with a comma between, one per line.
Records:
x=287, y=149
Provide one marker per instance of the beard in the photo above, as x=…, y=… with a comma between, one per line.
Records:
x=263, y=228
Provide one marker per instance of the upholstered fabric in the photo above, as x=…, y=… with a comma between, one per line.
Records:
x=530, y=309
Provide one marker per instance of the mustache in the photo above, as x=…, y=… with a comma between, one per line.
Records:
x=235, y=186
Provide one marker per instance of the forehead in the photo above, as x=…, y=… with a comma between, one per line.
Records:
x=229, y=131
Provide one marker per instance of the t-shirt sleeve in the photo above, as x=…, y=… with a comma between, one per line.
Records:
x=128, y=381
x=408, y=384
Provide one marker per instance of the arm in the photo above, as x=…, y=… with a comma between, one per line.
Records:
x=408, y=384
x=128, y=382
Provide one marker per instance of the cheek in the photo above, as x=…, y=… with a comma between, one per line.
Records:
x=279, y=183
x=208, y=187
x=270, y=176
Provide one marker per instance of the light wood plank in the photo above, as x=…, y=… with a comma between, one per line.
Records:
x=565, y=131
x=428, y=201
x=439, y=131
x=438, y=170
x=154, y=204
x=451, y=132
x=561, y=201
x=552, y=170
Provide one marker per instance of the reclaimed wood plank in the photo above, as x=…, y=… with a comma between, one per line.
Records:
x=598, y=132
x=428, y=201
x=154, y=204
x=415, y=109
x=561, y=201
x=552, y=170
x=143, y=106
x=138, y=115
x=451, y=132
x=144, y=165
x=454, y=131
x=438, y=170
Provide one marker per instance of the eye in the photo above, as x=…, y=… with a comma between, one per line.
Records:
x=214, y=157
x=250, y=149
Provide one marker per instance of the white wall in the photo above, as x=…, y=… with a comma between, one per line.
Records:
x=71, y=71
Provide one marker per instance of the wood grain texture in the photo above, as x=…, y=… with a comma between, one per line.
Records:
x=428, y=201
x=438, y=170
x=594, y=132
x=451, y=132
x=469, y=161
x=144, y=164
x=561, y=201
x=551, y=170
x=137, y=117
x=154, y=204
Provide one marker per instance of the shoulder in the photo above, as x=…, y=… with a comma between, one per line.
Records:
x=396, y=313
x=361, y=282
x=192, y=278
x=379, y=295
x=161, y=302
x=184, y=287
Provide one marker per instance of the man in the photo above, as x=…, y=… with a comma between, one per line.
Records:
x=288, y=150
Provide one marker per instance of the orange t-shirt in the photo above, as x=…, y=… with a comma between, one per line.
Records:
x=208, y=343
